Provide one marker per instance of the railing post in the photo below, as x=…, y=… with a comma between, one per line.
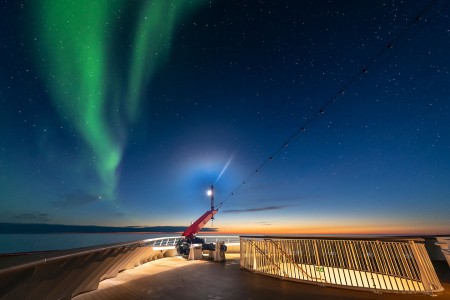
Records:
x=254, y=256
x=316, y=251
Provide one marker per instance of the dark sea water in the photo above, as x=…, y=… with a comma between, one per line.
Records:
x=12, y=243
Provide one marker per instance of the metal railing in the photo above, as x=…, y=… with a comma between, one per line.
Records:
x=376, y=265
x=228, y=239
x=172, y=241
x=162, y=242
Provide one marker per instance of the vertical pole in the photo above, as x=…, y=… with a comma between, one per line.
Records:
x=212, y=198
x=316, y=252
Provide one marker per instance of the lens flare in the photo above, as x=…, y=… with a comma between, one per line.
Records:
x=224, y=168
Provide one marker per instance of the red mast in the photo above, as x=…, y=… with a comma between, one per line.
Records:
x=195, y=228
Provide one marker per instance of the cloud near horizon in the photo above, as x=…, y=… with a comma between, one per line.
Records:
x=32, y=216
x=253, y=209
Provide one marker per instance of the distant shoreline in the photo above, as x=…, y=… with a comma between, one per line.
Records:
x=39, y=228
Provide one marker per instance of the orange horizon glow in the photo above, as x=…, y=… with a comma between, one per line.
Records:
x=334, y=230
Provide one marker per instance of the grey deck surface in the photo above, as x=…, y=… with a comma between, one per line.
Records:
x=177, y=278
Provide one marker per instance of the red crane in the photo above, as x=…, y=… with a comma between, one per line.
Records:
x=195, y=228
x=184, y=244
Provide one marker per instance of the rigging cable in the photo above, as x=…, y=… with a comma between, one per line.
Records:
x=364, y=70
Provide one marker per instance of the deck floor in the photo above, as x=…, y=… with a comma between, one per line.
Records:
x=178, y=278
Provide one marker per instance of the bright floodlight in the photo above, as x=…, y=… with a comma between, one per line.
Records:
x=209, y=192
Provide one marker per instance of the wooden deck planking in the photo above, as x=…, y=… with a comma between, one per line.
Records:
x=177, y=278
x=137, y=282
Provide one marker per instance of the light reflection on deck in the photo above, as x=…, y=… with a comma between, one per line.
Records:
x=177, y=278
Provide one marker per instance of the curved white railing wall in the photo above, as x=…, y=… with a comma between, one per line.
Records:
x=379, y=266
x=66, y=273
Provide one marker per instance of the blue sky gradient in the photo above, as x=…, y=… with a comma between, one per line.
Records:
x=226, y=85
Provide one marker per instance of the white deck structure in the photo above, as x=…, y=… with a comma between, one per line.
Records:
x=67, y=273
x=370, y=265
x=377, y=265
x=444, y=243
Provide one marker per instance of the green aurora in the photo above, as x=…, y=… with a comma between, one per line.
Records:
x=77, y=41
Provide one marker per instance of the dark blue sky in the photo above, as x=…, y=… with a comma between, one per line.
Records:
x=124, y=113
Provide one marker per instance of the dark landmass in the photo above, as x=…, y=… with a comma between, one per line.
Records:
x=19, y=228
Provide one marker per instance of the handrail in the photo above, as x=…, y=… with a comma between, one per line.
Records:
x=217, y=238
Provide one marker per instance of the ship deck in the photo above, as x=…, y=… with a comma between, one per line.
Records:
x=178, y=278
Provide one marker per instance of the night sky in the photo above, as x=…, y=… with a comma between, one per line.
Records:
x=123, y=113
